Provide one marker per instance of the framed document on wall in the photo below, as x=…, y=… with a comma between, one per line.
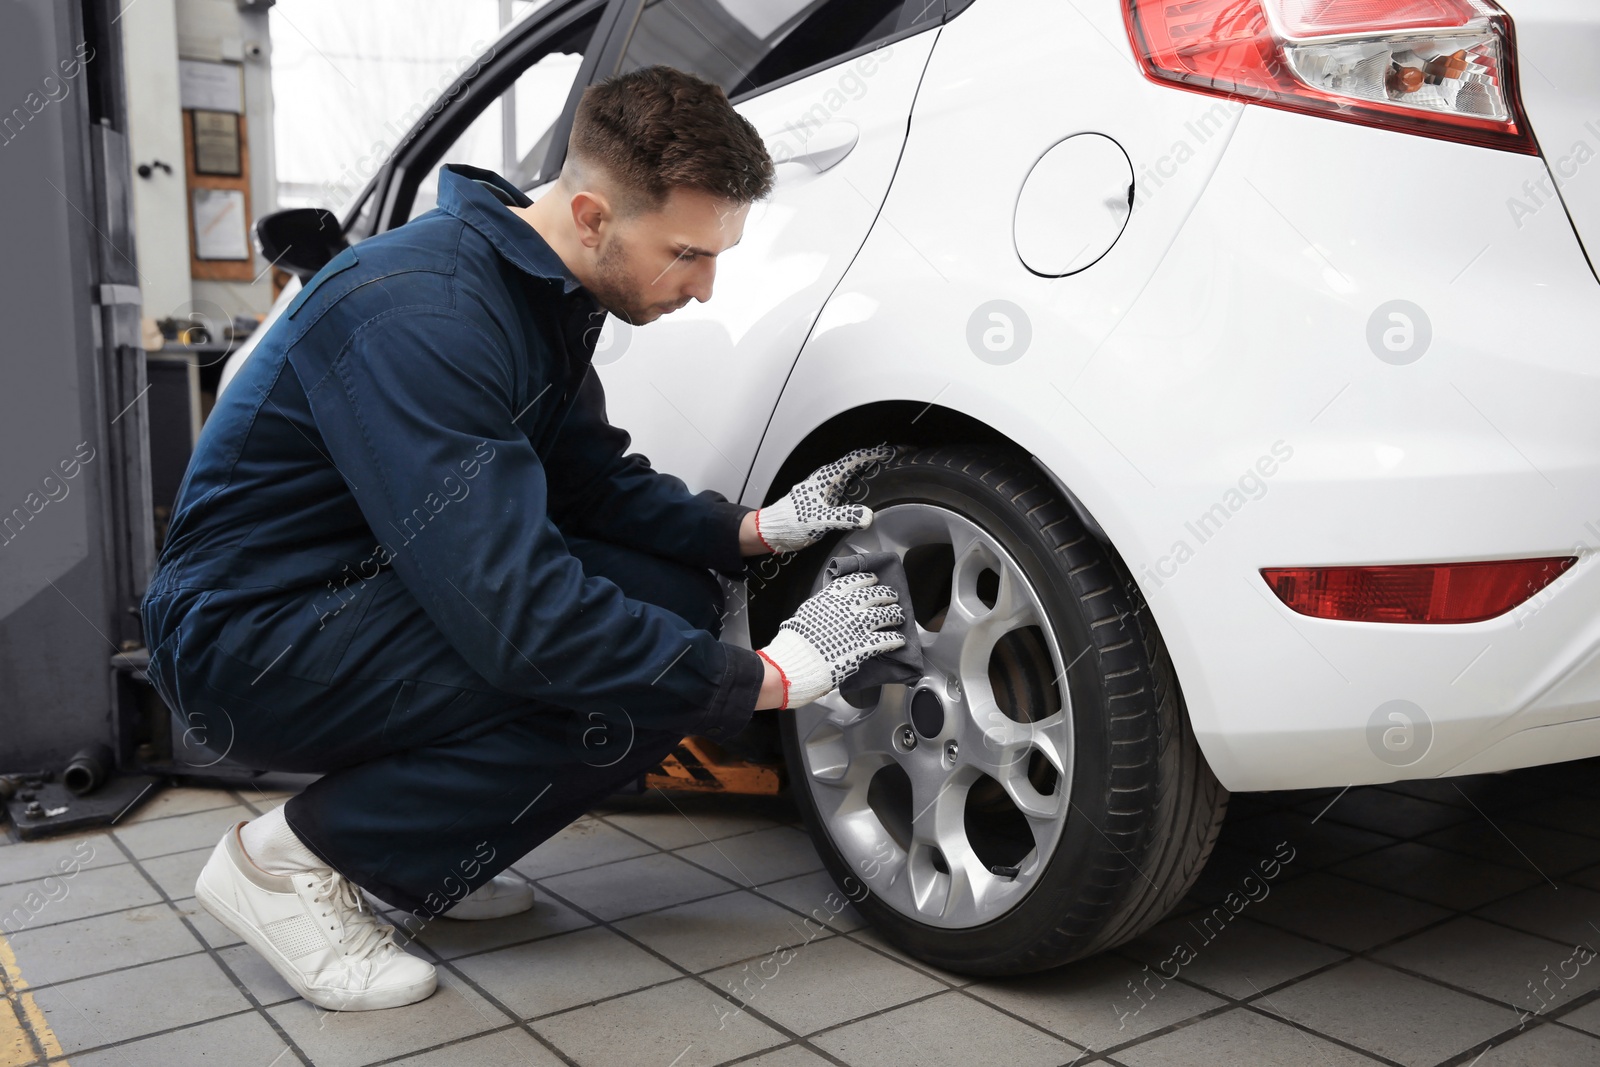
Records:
x=216, y=149
x=216, y=144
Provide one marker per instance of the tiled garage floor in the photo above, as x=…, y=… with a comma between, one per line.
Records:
x=1424, y=923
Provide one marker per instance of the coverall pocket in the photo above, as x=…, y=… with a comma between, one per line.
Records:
x=426, y=711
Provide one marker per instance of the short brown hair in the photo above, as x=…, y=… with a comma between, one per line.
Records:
x=659, y=128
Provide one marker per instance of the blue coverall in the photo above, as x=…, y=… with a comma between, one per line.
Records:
x=410, y=554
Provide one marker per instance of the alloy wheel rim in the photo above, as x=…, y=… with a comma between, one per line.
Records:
x=947, y=797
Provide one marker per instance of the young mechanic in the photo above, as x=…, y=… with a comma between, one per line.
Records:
x=411, y=555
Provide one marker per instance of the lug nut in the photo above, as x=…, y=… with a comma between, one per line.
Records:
x=908, y=737
x=950, y=751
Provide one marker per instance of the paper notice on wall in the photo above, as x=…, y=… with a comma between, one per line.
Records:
x=220, y=231
x=210, y=86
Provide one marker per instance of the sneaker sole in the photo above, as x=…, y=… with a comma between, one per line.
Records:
x=333, y=1000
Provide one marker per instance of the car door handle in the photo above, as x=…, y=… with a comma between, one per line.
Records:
x=818, y=148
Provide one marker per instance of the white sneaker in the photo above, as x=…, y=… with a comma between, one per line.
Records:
x=313, y=929
x=504, y=894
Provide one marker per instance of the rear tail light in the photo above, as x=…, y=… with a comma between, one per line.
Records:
x=1423, y=592
x=1439, y=68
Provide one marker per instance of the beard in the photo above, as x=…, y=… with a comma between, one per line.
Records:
x=613, y=287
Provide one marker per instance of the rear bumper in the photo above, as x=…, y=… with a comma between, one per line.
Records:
x=1273, y=433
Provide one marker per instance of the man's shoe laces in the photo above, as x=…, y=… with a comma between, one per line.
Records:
x=363, y=937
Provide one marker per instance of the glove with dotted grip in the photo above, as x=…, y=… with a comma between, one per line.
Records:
x=831, y=634
x=816, y=505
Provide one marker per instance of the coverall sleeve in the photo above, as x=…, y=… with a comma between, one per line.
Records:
x=415, y=411
x=599, y=491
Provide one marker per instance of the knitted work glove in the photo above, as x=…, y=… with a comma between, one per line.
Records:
x=832, y=634
x=816, y=505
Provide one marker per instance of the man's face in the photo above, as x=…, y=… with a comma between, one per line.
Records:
x=654, y=263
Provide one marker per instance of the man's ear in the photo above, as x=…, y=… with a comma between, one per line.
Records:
x=591, y=213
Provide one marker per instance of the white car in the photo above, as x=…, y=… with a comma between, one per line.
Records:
x=1244, y=355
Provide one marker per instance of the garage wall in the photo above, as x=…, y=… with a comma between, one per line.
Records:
x=155, y=132
x=217, y=30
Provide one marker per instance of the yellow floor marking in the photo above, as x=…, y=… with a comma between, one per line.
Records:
x=21, y=1015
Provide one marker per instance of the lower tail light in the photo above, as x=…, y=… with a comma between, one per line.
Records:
x=1439, y=68
x=1415, y=593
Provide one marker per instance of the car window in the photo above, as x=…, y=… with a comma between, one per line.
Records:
x=512, y=135
x=746, y=45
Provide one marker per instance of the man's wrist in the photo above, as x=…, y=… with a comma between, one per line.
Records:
x=751, y=542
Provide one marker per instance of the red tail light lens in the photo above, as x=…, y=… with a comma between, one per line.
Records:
x=1438, y=68
x=1423, y=592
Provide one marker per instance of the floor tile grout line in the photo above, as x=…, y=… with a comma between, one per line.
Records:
x=1231, y=1003
x=1453, y=914
x=753, y=885
x=1511, y=1034
x=1364, y=880
x=1349, y=955
x=659, y=851
x=1308, y=1029
x=503, y=1029
x=1234, y=1004
x=770, y=1050
x=540, y=879
x=109, y=1045
x=703, y=982
x=32, y=927
x=875, y=1013
x=692, y=844
x=476, y=953
x=32, y=988
x=597, y=1001
x=216, y=958
x=1418, y=839
x=527, y=1023
x=949, y=986
x=1327, y=869
x=538, y=882
x=117, y=1046
x=1363, y=955
x=653, y=911
x=81, y=870
x=708, y=840
x=515, y=1020
x=1572, y=1005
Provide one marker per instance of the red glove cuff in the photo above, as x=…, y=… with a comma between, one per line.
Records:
x=763, y=540
x=781, y=676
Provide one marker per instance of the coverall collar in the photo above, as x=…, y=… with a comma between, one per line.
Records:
x=469, y=193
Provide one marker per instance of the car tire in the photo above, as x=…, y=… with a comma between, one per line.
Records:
x=1142, y=807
